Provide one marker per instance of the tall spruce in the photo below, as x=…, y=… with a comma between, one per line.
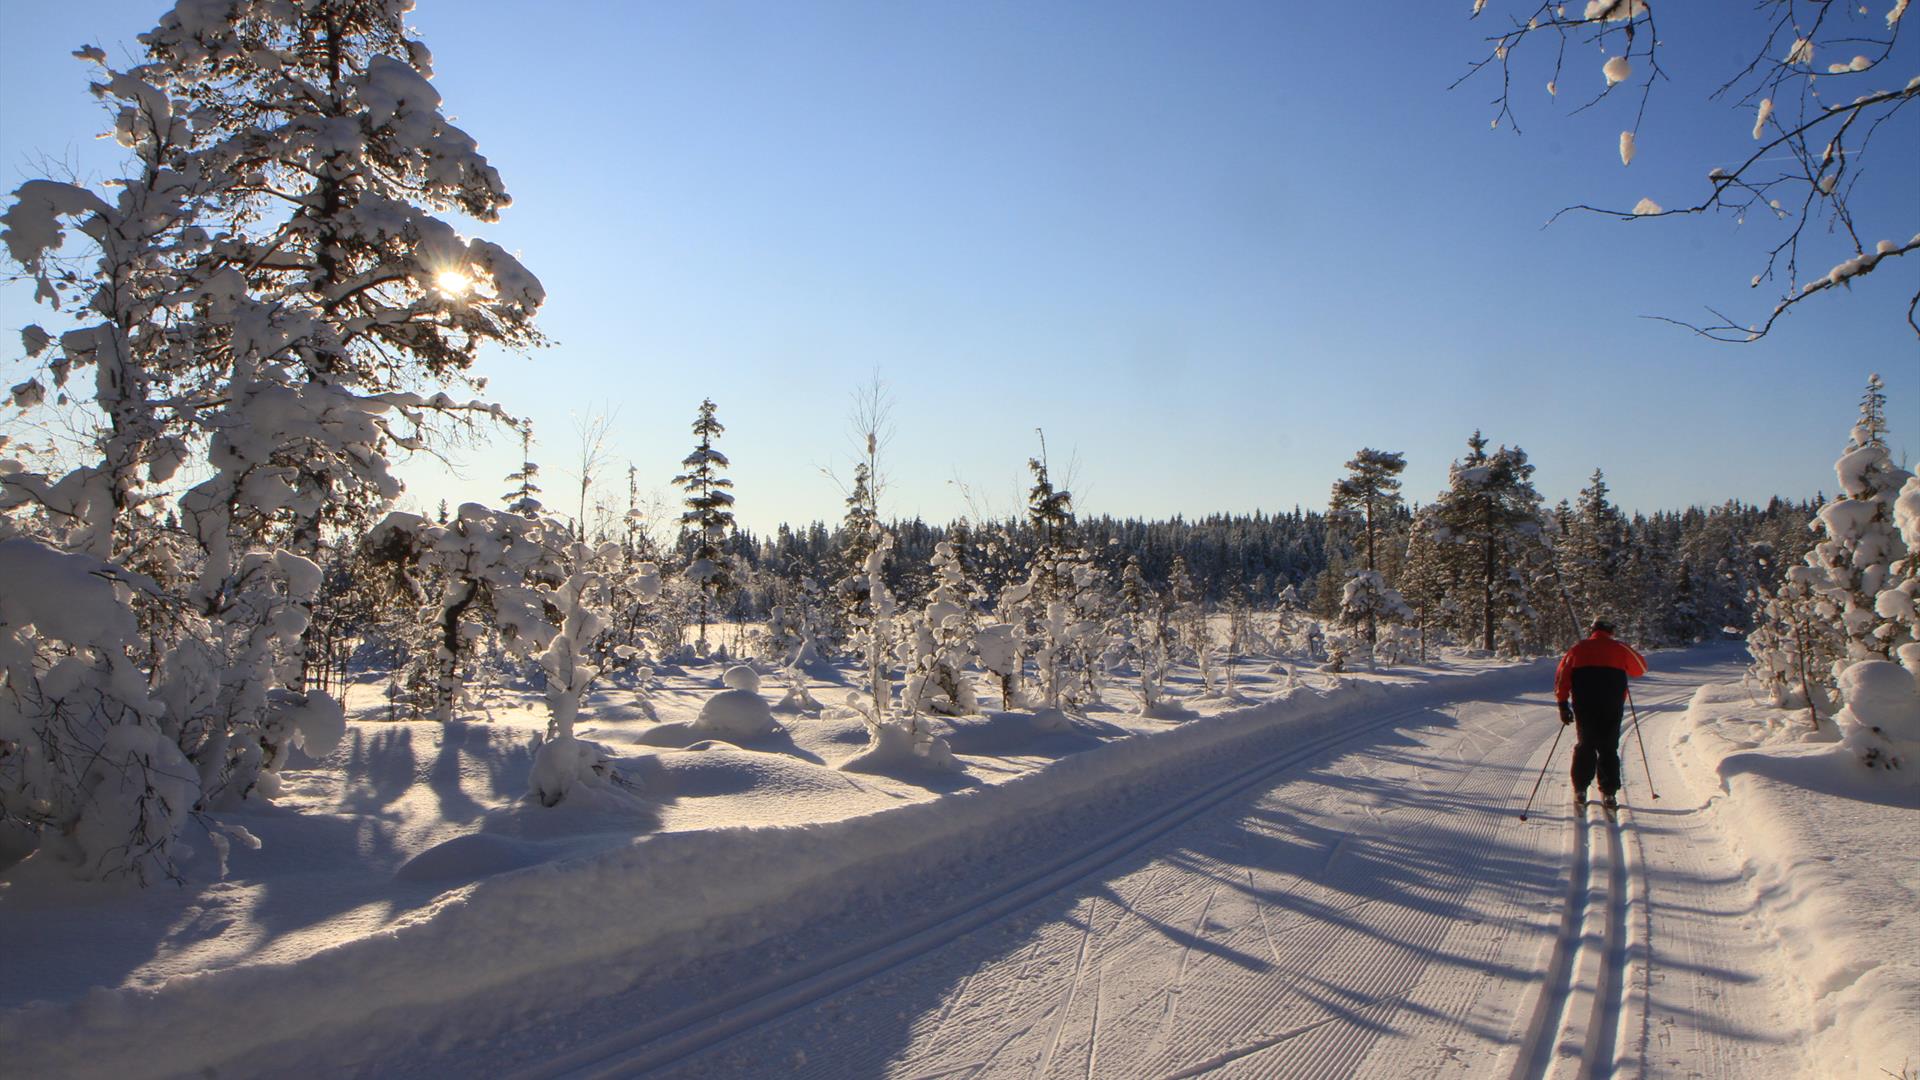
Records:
x=708, y=516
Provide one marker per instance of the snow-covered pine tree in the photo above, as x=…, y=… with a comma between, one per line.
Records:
x=708, y=516
x=1365, y=498
x=1490, y=515
x=271, y=280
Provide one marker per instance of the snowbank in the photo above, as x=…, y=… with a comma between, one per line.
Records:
x=534, y=937
x=1832, y=850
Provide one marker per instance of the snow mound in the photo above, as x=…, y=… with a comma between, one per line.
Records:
x=742, y=677
x=1005, y=733
x=469, y=858
x=1831, y=882
x=894, y=747
x=736, y=714
x=1051, y=721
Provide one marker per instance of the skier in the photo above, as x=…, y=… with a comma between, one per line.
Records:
x=1594, y=675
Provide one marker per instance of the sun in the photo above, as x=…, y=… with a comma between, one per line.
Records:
x=453, y=284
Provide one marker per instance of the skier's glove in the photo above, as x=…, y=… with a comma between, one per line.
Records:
x=1566, y=712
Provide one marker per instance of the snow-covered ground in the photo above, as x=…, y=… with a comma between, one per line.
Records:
x=1828, y=854
x=1319, y=877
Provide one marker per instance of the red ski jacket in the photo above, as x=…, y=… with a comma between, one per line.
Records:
x=1599, y=650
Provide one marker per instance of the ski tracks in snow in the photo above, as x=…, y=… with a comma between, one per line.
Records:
x=1656, y=968
x=1364, y=905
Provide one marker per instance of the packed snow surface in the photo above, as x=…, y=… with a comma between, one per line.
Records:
x=1329, y=876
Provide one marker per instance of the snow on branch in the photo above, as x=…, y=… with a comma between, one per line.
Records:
x=1800, y=49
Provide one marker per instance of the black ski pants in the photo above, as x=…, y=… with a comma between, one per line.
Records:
x=1597, y=723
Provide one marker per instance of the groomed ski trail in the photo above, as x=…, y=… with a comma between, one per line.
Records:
x=1365, y=904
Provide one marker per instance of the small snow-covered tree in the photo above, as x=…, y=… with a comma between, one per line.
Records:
x=1143, y=632
x=1368, y=600
x=488, y=564
x=708, y=516
x=578, y=601
x=859, y=532
x=938, y=642
x=524, y=497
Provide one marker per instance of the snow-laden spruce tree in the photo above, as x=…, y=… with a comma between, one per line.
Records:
x=1061, y=598
x=1826, y=617
x=708, y=516
x=1861, y=542
x=523, y=497
x=859, y=532
x=1593, y=553
x=260, y=295
x=1899, y=599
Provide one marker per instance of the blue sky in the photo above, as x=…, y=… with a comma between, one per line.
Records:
x=1212, y=249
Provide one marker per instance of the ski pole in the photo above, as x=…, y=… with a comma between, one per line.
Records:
x=1543, y=771
x=1642, y=740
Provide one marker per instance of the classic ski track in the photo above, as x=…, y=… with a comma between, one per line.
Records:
x=1395, y=966
x=699, y=1027
x=1391, y=955
x=1583, y=1004
x=1686, y=1008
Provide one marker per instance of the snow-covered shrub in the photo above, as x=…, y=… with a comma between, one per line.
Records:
x=1881, y=720
x=86, y=761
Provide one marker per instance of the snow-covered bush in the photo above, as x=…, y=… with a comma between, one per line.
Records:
x=1881, y=720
